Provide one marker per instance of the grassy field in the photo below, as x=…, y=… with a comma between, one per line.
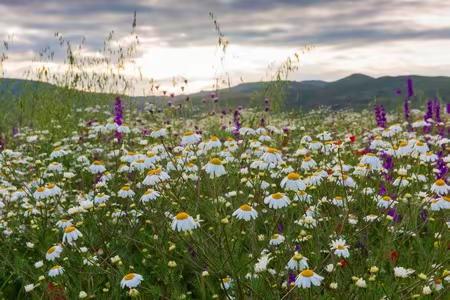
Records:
x=241, y=205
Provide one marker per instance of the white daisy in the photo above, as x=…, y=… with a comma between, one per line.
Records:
x=245, y=212
x=53, y=252
x=297, y=262
x=155, y=176
x=272, y=156
x=277, y=200
x=71, y=234
x=55, y=271
x=126, y=192
x=340, y=248
x=440, y=187
x=184, y=222
x=372, y=160
x=385, y=202
x=276, y=239
x=149, y=195
x=97, y=167
x=101, y=198
x=214, y=168
x=292, y=182
x=189, y=138
x=306, y=278
x=131, y=280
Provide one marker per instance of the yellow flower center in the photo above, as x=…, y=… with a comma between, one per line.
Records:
x=245, y=207
x=446, y=198
x=149, y=191
x=340, y=247
x=386, y=198
x=293, y=176
x=214, y=138
x=307, y=273
x=125, y=188
x=182, y=216
x=56, y=267
x=403, y=144
x=226, y=279
x=129, y=276
x=140, y=161
x=51, y=250
x=40, y=189
x=154, y=172
x=98, y=162
x=69, y=229
x=272, y=150
x=307, y=158
x=440, y=182
x=150, y=154
x=298, y=256
x=338, y=198
x=277, y=196
x=50, y=185
x=420, y=144
x=216, y=161
x=131, y=153
x=188, y=133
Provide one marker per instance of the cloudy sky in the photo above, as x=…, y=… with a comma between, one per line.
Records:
x=178, y=39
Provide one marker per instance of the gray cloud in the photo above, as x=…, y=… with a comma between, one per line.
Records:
x=341, y=24
x=309, y=21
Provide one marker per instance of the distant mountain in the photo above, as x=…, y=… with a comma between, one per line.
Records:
x=356, y=91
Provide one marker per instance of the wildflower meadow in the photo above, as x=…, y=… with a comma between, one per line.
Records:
x=108, y=196
x=318, y=205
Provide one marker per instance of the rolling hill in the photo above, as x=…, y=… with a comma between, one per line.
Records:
x=356, y=91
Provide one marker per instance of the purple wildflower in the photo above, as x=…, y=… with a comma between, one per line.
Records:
x=388, y=165
x=236, y=122
x=382, y=190
x=291, y=278
x=118, y=111
x=437, y=110
x=410, y=87
x=380, y=116
x=428, y=115
x=280, y=228
x=441, y=166
x=410, y=94
x=118, y=116
x=393, y=213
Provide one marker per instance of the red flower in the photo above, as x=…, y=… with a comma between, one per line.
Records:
x=362, y=151
x=352, y=138
x=394, y=256
x=343, y=263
